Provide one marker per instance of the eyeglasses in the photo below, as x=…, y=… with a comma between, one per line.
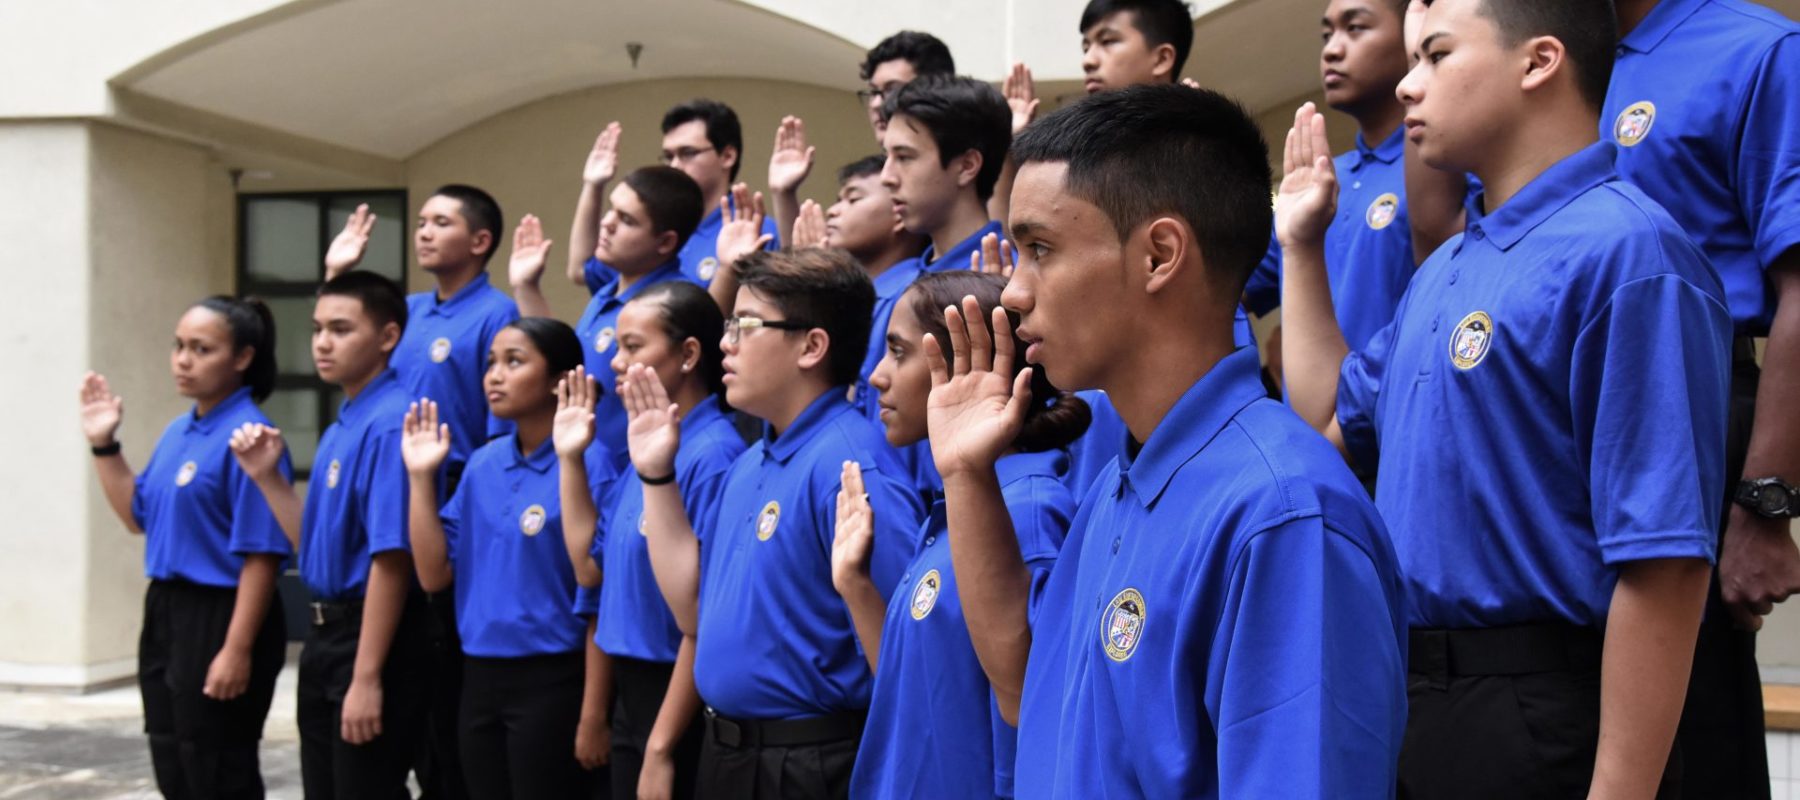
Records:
x=735, y=326
x=684, y=154
x=866, y=95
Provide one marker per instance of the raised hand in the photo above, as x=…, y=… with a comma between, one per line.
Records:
x=741, y=234
x=351, y=242
x=424, y=442
x=101, y=410
x=258, y=449
x=996, y=257
x=1021, y=96
x=573, y=428
x=653, y=427
x=1308, y=196
x=855, y=535
x=792, y=160
x=530, y=252
x=809, y=229
x=977, y=406
x=603, y=161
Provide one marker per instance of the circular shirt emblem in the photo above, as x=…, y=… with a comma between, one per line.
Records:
x=185, y=475
x=1634, y=123
x=925, y=594
x=603, y=341
x=532, y=520
x=1471, y=340
x=331, y=474
x=767, y=520
x=643, y=526
x=1381, y=212
x=1122, y=625
x=709, y=267
x=440, y=350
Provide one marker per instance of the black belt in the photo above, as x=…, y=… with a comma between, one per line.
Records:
x=328, y=613
x=784, y=732
x=1440, y=654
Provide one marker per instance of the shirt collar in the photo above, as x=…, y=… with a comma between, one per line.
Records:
x=447, y=306
x=897, y=277
x=350, y=412
x=1387, y=152
x=669, y=270
x=823, y=409
x=1546, y=195
x=1191, y=424
x=539, y=460
x=1019, y=466
x=206, y=424
x=711, y=222
x=932, y=261
x=701, y=415
x=1659, y=23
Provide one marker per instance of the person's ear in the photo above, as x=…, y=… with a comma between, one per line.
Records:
x=1545, y=58
x=816, y=348
x=666, y=243
x=728, y=156
x=244, y=358
x=481, y=243
x=390, y=337
x=1162, y=62
x=967, y=166
x=1166, y=245
x=691, y=353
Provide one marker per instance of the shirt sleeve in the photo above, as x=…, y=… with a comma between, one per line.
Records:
x=700, y=491
x=1359, y=389
x=453, y=513
x=384, y=491
x=595, y=273
x=140, y=504
x=1768, y=160
x=1649, y=377
x=587, y=602
x=1040, y=520
x=1263, y=293
x=254, y=528
x=1306, y=682
x=604, y=485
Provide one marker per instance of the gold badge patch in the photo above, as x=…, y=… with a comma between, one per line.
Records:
x=767, y=520
x=1472, y=339
x=603, y=341
x=643, y=525
x=331, y=474
x=532, y=520
x=709, y=267
x=1634, y=123
x=440, y=350
x=185, y=475
x=1122, y=625
x=925, y=594
x=1381, y=213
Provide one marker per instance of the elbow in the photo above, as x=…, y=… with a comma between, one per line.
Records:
x=1008, y=703
x=434, y=581
x=588, y=574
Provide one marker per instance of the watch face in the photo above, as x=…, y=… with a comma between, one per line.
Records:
x=1772, y=500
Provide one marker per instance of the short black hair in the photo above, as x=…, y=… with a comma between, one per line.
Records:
x=722, y=127
x=823, y=288
x=1144, y=151
x=1160, y=22
x=480, y=210
x=671, y=198
x=927, y=54
x=382, y=299
x=861, y=168
x=1588, y=30
x=961, y=114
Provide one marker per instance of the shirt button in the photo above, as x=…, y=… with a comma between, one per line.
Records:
x=1434, y=323
x=1115, y=545
x=929, y=540
x=1356, y=185
x=1478, y=233
x=1453, y=274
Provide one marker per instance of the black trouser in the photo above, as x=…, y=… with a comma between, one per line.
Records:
x=1505, y=713
x=331, y=768
x=808, y=759
x=201, y=747
x=639, y=689
x=1723, y=751
x=438, y=763
x=518, y=727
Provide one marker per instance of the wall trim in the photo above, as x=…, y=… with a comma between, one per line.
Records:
x=66, y=678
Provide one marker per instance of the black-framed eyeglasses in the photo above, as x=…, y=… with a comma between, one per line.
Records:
x=673, y=157
x=871, y=93
x=735, y=326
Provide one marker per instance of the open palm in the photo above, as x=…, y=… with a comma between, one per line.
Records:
x=424, y=442
x=530, y=252
x=741, y=234
x=101, y=410
x=603, y=160
x=572, y=430
x=855, y=532
x=347, y=249
x=653, y=429
x=1308, y=195
x=792, y=160
x=257, y=448
x=977, y=405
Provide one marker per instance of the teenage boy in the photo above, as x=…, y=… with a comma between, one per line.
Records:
x=1134, y=42
x=1705, y=108
x=777, y=662
x=863, y=223
x=946, y=143
x=1225, y=619
x=363, y=687
x=899, y=60
x=1547, y=412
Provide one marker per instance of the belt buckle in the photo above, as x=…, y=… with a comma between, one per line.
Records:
x=725, y=731
x=318, y=614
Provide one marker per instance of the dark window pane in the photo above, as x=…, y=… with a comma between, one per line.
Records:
x=281, y=240
x=386, y=254
x=293, y=334
x=296, y=413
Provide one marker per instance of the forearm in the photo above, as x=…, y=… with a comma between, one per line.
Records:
x=431, y=556
x=724, y=287
x=1434, y=204
x=674, y=554
x=1312, y=344
x=119, y=485
x=579, y=519
x=383, y=602
x=596, y=693
x=1775, y=434
x=993, y=582
x=680, y=703
x=530, y=298
x=584, y=235
x=1650, y=631
x=784, y=206
x=284, y=503
x=867, y=614
x=256, y=588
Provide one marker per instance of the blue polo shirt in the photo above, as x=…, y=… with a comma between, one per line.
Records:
x=199, y=512
x=443, y=355
x=1225, y=620
x=775, y=640
x=1705, y=108
x=356, y=501
x=587, y=602
x=637, y=623
x=598, y=331
x=1548, y=404
x=515, y=588
x=933, y=730
x=957, y=257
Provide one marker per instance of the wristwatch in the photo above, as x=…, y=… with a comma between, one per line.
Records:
x=1771, y=497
